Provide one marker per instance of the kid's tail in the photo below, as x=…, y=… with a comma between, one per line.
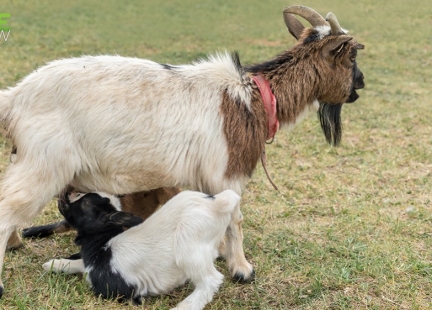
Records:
x=226, y=201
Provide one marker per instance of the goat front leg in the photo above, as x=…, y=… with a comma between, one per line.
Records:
x=65, y=265
x=232, y=250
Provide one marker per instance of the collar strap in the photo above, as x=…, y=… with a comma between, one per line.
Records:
x=269, y=101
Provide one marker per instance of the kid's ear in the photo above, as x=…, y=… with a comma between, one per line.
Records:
x=124, y=219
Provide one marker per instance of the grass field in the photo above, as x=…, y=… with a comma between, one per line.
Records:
x=349, y=228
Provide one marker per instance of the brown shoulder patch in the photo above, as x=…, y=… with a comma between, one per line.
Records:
x=245, y=132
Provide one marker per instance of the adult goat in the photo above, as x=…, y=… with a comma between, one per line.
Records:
x=123, y=125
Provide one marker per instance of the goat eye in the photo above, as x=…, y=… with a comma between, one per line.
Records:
x=352, y=58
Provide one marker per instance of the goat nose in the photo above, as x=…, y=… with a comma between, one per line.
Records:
x=359, y=83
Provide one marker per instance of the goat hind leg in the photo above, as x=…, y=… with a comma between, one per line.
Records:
x=205, y=288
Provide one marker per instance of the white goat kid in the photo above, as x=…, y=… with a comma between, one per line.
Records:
x=177, y=243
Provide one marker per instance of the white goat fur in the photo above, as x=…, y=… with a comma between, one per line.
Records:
x=101, y=120
x=119, y=125
x=177, y=243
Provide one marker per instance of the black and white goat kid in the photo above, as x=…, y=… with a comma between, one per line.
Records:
x=177, y=243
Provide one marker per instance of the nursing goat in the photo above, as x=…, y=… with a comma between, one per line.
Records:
x=142, y=204
x=177, y=243
x=123, y=125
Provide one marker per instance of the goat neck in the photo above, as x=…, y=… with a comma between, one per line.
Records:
x=292, y=88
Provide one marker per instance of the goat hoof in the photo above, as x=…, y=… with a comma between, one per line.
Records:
x=137, y=301
x=14, y=247
x=1, y=291
x=14, y=241
x=28, y=233
x=240, y=277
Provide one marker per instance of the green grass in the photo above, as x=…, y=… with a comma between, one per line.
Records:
x=350, y=227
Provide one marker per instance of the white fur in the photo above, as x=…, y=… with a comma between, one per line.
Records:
x=326, y=30
x=323, y=31
x=303, y=114
x=116, y=131
x=65, y=265
x=177, y=243
x=114, y=200
x=119, y=125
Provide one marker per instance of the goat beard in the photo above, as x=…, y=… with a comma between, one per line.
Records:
x=330, y=119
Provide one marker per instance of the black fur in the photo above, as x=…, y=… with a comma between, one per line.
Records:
x=105, y=282
x=236, y=60
x=240, y=278
x=330, y=119
x=97, y=222
x=44, y=230
x=167, y=67
x=358, y=83
x=75, y=256
x=270, y=66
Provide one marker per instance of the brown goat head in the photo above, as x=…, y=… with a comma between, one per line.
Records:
x=325, y=58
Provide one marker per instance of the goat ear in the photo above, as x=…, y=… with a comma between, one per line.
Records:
x=332, y=48
x=360, y=46
x=124, y=219
x=295, y=27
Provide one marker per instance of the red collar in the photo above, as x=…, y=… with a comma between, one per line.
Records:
x=269, y=100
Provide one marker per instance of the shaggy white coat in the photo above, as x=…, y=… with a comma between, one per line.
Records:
x=119, y=125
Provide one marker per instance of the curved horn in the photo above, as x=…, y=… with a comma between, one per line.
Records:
x=334, y=24
x=313, y=17
x=295, y=27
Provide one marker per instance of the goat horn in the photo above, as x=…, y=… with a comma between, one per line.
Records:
x=312, y=16
x=334, y=24
x=295, y=27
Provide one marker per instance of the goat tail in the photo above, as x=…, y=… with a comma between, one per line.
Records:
x=226, y=201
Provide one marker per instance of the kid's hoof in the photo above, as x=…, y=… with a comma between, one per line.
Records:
x=240, y=277
x=137, y=301
x=31, y=232
x=1, y=291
